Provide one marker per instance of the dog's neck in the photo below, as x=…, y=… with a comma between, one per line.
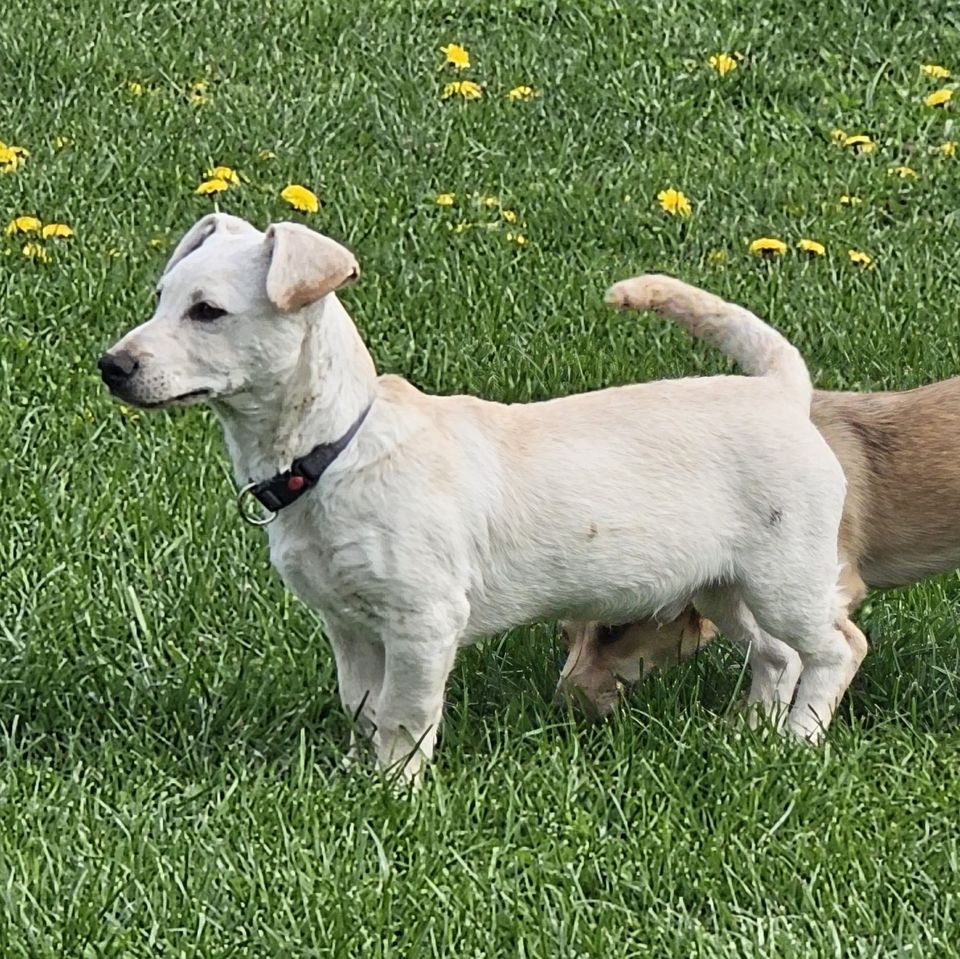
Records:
x=331, y=382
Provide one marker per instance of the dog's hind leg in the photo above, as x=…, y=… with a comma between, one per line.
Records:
x=775, y=667
x=828, y=669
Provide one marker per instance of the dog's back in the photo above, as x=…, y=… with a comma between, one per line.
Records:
x=898, y=451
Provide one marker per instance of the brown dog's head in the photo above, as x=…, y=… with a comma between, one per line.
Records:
x=603, y=658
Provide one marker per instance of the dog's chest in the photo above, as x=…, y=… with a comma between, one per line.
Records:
x=332, y=565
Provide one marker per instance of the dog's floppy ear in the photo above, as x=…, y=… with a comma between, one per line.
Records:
x=305, y=266
x=201, y=231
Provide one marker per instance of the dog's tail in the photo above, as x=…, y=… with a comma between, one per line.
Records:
x=758, y=348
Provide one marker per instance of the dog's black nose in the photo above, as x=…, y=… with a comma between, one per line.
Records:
x=117, y=368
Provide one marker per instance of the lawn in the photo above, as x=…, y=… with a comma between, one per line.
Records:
x=170, y=782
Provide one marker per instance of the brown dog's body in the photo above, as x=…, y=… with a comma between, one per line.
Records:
x=901, y=523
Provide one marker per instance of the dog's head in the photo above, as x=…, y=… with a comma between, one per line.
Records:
x=602, y=658
x=229, y=315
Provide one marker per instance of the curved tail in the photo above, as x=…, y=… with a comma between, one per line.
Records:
x=732, y=329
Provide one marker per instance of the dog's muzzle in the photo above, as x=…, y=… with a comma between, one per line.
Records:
x=117, y=369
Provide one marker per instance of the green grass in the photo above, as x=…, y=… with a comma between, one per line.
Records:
x=170, y=782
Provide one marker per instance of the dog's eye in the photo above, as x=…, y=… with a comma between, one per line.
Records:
x=205, y=312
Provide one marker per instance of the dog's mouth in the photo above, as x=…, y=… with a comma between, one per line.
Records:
x=183, y=399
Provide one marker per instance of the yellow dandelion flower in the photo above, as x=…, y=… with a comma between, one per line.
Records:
x=267, y=155
x=850, y=200
x=948, y=149
x=34, y=251
x=517, y=238
x=521, y=92
x=860, y=258
x=61, y=142
x=456, y=56
x=904, y=172
x=860, y=143
x=197, y=93
x=462, y=88
x=212, y=186
x=935, y=70
x=939, y=98
x=838, y=135
x=445, y=199
x=768, y=246
x=509, y=216
x=674, y=202
x=12, y=157
x=491, y=201
x=135, y=89
x=59, y=231
x=300, y=198
x=812, y=247
x=723, y=63
x=23, y=224
x=225, y=173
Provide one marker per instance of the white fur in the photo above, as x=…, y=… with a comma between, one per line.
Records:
x=449, y=518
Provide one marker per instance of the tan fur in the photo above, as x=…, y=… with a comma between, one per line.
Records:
x=901, y=523
x=305, y=266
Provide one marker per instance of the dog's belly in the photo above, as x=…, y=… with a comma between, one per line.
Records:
x=627, y=580
x=906, y=567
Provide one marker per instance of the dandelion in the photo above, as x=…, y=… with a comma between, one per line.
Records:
x=723, y=63
x=210, y=187
x=517, y=238
x=939, y=98
x=860, y=258
x=812, y=247
x=462, y=88
x=135, y=89
x=228, y=174
x=509, y=216
x=491, y=201
x=300, y=198
x=904, y=172
x=34, y=251
x=948, y=149
x=58, y=231
x=445, y=199
x=849, y=200
x=197, y=94
x=768, y=246
x=838, y=135
x=674, y=202
x=267, y=155
x=11, y=157
x=935, y=70
x=456, y=56
x=521, y=92
x=860, y=143
x=23, y=224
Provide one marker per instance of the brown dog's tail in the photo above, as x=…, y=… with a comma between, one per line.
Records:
x=733, y=330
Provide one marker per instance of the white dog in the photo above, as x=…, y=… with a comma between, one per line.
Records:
x=416, y=524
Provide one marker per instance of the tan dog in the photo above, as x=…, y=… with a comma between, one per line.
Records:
x=901, y=523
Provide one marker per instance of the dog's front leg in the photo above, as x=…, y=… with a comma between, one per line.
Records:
x=411, y=701
x=360, y=666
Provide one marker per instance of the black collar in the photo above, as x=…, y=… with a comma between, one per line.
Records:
x=304, y=473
